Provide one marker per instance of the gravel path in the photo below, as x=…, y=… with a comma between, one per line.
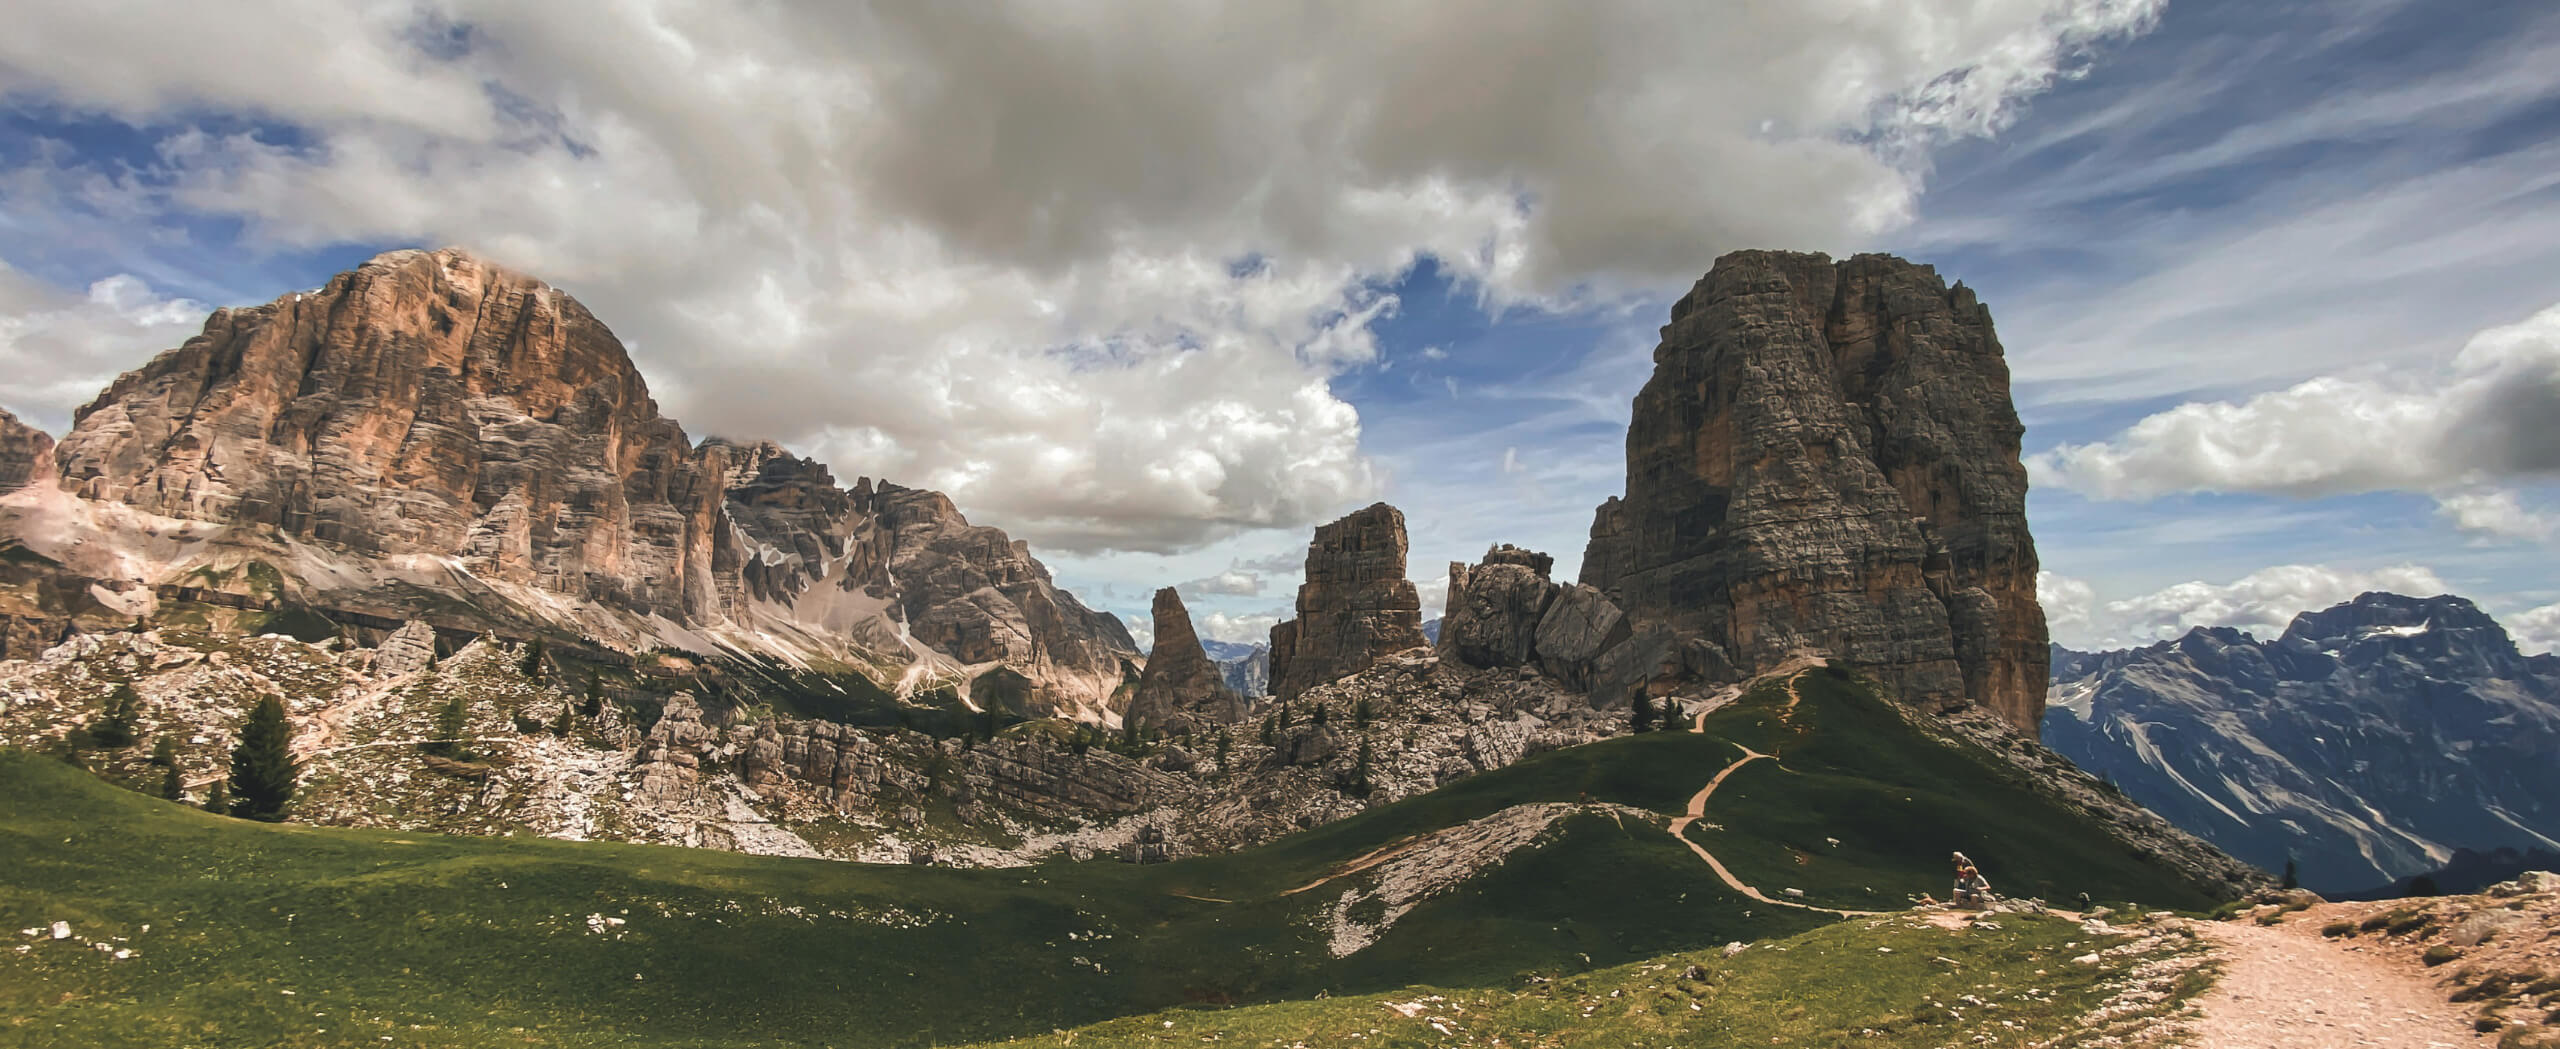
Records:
x=2283, y=988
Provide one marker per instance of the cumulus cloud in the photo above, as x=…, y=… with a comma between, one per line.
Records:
x=1234, y=582
x=2484, y=418
x=1249, y=628
x=57, y=350
x=2536, y=631
x=2263, y=602
x=1090, y=273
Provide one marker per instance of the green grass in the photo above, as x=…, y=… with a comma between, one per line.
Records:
x=1896, y=984
x=449, y=941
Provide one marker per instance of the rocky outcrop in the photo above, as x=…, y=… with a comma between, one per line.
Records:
x=2366, y=744
x=408, y=650
x=1494, y=608
x=26, y=454
x=1355, y=606
x=1826, y=457
x=1247, y=668
x=1182, y=691
x=433, y=436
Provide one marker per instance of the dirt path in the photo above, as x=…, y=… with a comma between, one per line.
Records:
x=2284, y=987
x=1364, y=861
x=1698, y=808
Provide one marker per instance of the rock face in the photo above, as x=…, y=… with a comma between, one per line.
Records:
x=408, y=650
x=1826, y=456
x=2368, y=743
x=430, y=435
x=1182, y=691
x=1355, y=607
x=26, y=454
x=1494, y=607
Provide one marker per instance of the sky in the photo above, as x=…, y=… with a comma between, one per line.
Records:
x=1161, y=286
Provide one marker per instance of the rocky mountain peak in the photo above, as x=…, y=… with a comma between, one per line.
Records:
x=1182, y=691
x=431, y=434
x=26, y=454
x=1827, y=457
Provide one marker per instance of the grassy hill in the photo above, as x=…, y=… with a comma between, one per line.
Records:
x=247, y=934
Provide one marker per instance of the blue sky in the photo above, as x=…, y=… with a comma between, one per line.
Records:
x=2236, y=252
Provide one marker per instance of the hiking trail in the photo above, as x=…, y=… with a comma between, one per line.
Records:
x=1697, y=808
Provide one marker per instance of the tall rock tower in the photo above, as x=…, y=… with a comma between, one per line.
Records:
x=1355, y=606
x=1827, y=457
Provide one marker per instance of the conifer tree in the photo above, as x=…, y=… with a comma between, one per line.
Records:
x=164, y=752
x=450, y=724
x=533, y=662
x=116, y=730
x=172, y=786
x=2289, y=881
x=262, y=774
x=1642, y=719
x=218, y=799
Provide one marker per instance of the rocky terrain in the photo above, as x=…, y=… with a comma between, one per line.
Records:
x=2366, y=744
x=2493, y=955
x=564, y=759
x=26, y=454
x=1827, y=457
x=430, y=436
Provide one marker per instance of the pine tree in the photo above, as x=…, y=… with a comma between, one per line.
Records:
x=595, y=696
x=164, y=752
x=1642, y=719
x=218, y=799
x=1225, y=744
x=1360, y=713
x=262, y=771
x=172, y=786
x=2289, y=880
x=1269, y=731
x=566, y=725
x=1671, y=719
x=533, y=662
x=450, y=724
x=1320, y=713
x=116, y=730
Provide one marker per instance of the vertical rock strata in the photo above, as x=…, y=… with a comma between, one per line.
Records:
x=1182, y=690
x=1355, y=606
x=1827, y=456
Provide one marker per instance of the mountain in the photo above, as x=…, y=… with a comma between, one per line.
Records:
x=1245, y=668
x=1565, y=862
x=1431, y=630
x=1827, y=457
x=431, y=436
x=2467, y=872
x=2367, y=744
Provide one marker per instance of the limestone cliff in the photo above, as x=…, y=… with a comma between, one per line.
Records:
x=1827, y=456
x=434, y=436
x=1355, y=606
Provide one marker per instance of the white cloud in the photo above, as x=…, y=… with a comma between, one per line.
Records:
x=1142, y=629
x=2536, y=631
x=2263, y=602
x=57, y=350
x=1249, y=629
x=2486, y=416
x=2497, y=514
x=998, y=249
x=1234, y=582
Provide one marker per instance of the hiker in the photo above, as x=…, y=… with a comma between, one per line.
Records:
x=1972, y=889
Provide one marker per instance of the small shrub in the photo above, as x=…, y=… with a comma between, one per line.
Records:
x=2333, y=930
x=2440, y=954
x=2412, y=923
x=2377, y=921
x=2271, y=918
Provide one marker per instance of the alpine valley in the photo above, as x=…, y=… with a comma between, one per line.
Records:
x=609, y=735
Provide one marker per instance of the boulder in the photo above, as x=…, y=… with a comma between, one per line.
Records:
x=1580, y=624
x=408, y=650
x=1495, y=608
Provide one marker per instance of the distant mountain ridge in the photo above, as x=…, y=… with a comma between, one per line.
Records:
x=2368, y=743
